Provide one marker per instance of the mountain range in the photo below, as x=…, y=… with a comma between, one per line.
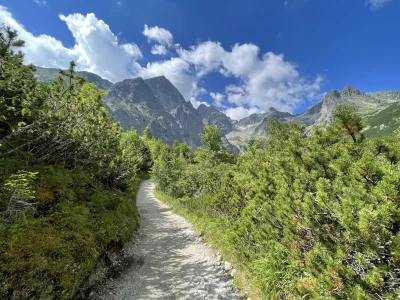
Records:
x=156, y=103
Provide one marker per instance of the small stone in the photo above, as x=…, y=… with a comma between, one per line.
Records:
x=227, y=266
x=233, y=272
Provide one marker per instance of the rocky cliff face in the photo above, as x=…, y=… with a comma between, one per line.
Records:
x=168, y=95
x=368, y=105
x=211, y=115
x=156, y=103
x=254, y=127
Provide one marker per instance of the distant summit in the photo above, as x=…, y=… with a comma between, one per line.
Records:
x=156, y=103
x=349, y=91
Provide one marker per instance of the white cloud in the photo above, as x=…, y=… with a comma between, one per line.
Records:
x=40, y=2
x=237, y=113
x=262, y=82
x=96, y=48
x=377, y=4
x=259, y=80
x=158, y=34
x=42, y=50
x=99, y=50
x=218, y=99
x=159, y=50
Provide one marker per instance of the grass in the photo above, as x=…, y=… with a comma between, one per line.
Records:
x=48, y=252
x=215, y=231
x=383, y=123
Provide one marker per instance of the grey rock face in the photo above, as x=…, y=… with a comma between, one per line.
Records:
x=211, y=115
x=189, y=122
x=253, y=127
x=133, y=104
x=310, y=115
x=272, y=114
x=349, y=91
x=155, y=102
x=166, y=92
x=386, y=96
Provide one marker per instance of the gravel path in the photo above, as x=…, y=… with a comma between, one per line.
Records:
x=169, y=260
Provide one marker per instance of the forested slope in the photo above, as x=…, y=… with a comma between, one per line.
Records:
x=309, y=215
x=68, y=179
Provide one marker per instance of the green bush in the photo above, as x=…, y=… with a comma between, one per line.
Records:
x=312, y=215
x=49, y=254
x=68, y=179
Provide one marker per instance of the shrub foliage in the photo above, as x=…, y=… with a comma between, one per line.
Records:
x=68, y=179
x=311, y=215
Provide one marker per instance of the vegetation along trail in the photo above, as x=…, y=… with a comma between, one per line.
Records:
x=170, y=261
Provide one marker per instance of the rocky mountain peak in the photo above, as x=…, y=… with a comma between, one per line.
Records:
x=168, y=95
x=349, y=91
x=206, y=111
x=333, y=94
x=211, y=115
x=155, y=102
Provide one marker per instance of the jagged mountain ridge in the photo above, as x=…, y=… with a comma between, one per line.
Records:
x=368, y=105
x=156, y=103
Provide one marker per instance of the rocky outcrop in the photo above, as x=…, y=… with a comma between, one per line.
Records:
x=211, y=115
x=157, y=104
x=167, y=94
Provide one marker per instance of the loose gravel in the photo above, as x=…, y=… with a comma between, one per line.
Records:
x=169, y=261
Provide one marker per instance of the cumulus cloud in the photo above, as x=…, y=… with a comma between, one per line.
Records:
x=237, y=113
x=258, y=80
x=377, y=4
x=96, y=48
x=99, y=50
x=159, y=50
x=158, y=34
x=263, y=80
x=218, y=99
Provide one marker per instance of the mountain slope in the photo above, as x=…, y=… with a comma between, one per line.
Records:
x=47, y=75
x=133, y=98
x=155, y=102
x=378, y=107
x=165, y=92
x=383, y=123
x=254, y=127
x=211, y=115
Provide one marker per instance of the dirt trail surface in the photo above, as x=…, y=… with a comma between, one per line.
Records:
x=169, y=260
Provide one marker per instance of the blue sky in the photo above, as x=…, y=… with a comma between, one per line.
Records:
x=241, y=55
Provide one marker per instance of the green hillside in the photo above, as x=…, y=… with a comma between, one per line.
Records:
x=383, y=123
